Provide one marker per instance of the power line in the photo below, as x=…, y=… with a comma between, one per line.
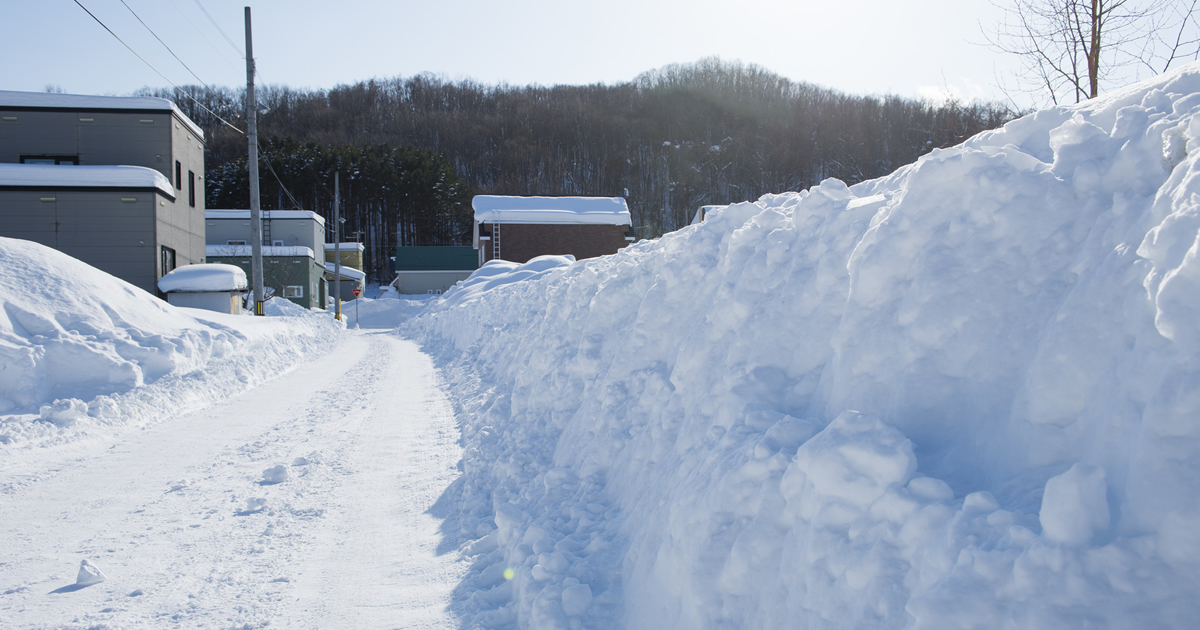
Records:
x=214, y=23
x=284, y=188
x=202, y=35
x=139, y=19
x=151, y=66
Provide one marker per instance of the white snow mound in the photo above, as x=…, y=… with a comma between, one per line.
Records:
x=963, y=395
x=81, y=349
x=204, y=277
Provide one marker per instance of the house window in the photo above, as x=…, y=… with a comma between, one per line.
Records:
x=191, y=189
x=49, y=159
x=235, y=242
x=293, y=291
x=178, y=175
x=168, y=260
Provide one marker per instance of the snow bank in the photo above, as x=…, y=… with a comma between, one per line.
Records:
x=499, y=273
x=963, y=395
x=204, y=277
x=82, y=352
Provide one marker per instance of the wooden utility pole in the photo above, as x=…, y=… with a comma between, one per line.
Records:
x=256, y=262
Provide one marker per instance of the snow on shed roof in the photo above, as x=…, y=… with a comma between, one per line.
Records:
x=345, y=247
x=204, y=278
x=230, y=251
x=347, y=272
x=588, y=210
x=71, y=176
x=46, y=100
x=266, y=214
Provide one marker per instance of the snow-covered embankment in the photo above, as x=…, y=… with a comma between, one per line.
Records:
x=83, y=353
x=963, y=395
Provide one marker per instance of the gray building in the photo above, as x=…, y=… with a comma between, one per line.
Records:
x=293, y=240
x=117, y=182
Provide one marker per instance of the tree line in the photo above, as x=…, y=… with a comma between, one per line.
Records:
x=669, y=141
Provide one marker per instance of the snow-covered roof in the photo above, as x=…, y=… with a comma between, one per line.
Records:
x=47, y=100
x=266, y=214
x=72, y=176
x=344, y=246
x=204, y=278
x=347, y=272
x=229, y=251
x=587, y=210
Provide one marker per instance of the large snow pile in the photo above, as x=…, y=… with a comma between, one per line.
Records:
x=83, y=352
x=963, y=395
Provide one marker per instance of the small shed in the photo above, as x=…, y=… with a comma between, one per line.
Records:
x=434, y=269
x=212, y=287
x=518, y=229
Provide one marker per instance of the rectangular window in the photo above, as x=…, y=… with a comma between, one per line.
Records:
x=191, y=189
x=178, y=175
x=168, y=260
x=49, y=159
x=293, y=291
x=235, y=242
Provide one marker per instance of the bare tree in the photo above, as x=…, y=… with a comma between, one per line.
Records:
x=1070, y=48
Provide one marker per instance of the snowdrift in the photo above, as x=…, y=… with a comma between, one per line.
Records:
x=966, y=395
x=81, y=349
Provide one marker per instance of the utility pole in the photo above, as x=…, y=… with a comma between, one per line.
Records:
x=337, y=248
x=256, y=262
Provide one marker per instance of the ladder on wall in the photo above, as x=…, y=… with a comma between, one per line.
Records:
x=266, y=227
x=495, y=241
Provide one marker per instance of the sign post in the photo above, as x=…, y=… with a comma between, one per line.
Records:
x=356, y=291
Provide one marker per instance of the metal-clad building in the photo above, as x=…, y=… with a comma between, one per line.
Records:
x=293, y=240
x=85, y=204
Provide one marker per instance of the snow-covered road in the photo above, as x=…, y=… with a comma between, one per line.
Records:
x=347, y=541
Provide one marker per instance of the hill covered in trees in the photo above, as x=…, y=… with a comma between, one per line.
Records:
x=672, y=139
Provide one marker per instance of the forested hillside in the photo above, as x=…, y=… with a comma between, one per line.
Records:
x=711, y=132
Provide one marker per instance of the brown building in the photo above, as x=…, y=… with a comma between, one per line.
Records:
x=518, y=229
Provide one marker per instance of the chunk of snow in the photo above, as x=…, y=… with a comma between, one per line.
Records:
x=276, y=474
x=1075, y=506
x=89, y=574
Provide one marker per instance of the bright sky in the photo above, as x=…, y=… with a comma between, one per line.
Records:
x=912, y=48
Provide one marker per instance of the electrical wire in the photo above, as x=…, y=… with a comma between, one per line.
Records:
x=281, y=186
x=202, y=35
x=139, y=19
x=214, y=23
x=151, y=66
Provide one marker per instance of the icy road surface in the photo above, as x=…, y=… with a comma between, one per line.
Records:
x=172, y=514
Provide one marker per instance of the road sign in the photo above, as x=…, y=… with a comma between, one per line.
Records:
x=357, y=292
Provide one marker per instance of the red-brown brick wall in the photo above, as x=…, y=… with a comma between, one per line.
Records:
x=520, y=242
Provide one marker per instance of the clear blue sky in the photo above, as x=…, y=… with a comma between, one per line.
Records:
x=911, y=48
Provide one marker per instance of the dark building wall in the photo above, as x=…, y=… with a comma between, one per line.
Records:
x=521, y=242
x=91, y=225
x=102, y=228
x=280, y=272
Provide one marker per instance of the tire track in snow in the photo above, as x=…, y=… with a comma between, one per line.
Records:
x=163, y=512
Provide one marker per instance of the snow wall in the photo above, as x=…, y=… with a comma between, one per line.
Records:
x=966, y=395
x=85, y=353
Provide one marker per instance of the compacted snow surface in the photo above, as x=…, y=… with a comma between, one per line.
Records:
x=966, y=395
